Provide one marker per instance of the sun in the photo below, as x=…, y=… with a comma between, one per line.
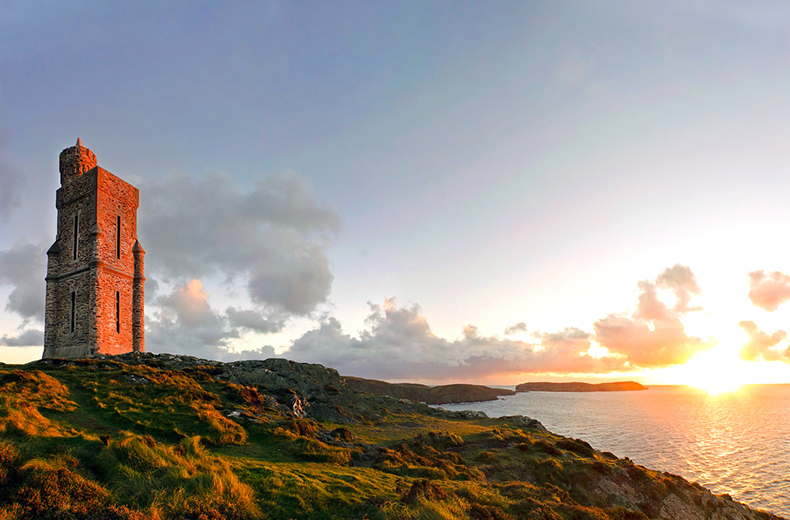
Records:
x=716, y=371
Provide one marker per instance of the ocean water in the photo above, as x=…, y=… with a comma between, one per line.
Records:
x=736, y=443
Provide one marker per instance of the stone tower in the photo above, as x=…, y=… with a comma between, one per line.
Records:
x=95, y=267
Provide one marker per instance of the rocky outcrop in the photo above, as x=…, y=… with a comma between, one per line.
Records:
x=302, y=389
x=668, y=497
x=620, y=386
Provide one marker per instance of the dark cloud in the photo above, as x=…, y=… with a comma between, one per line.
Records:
x=515, y=329
x=28, y=338
x=24, y=267
x=254, y=320
x=399, y=344
x=769, y=291
x=273, y=237
x=654, y=335
x=761, y=344
x=183, y=322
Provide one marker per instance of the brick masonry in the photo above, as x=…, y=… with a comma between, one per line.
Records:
x=95, y=278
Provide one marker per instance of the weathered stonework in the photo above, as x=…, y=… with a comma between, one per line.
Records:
x=95, y=267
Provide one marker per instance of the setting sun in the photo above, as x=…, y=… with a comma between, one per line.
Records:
x=716, y=371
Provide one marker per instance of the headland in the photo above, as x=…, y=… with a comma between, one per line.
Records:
x=621, y=386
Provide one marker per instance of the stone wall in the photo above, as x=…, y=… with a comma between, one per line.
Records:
x=100, y=270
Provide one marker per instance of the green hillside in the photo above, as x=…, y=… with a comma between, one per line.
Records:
x=170, y=437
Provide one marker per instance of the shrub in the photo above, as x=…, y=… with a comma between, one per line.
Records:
x=576, y=446
x=47, y=491
x=423, y=489
x=548, y=448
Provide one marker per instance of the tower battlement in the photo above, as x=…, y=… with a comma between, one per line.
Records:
x=95, y=274
x=75, y=161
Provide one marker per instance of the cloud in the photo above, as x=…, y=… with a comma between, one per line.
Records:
x=273, y=237
x=398, y=344
x=761, y=344
x=515, y=329
x=769, y=291
x=183, y=322
x=254, y=320
x=682, y=282
x=654, y=336
x=23, y=267
x=28, y=338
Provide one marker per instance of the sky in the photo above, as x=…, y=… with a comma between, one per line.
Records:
x=421, y=191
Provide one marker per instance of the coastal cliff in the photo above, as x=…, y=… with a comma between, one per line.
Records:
x=621, y=386
x=161, y=437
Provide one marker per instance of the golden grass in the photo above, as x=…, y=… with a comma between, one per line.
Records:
x=103, y=441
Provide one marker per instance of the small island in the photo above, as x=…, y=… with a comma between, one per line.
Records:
x=442, y=394
x=620, y=386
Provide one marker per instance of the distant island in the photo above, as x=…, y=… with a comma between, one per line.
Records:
x=442, y=394
x=620, y=386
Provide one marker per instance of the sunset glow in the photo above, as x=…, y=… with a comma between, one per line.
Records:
x=488, y=195
x=720, y=370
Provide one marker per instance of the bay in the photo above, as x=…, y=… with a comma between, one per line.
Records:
x=736, y=443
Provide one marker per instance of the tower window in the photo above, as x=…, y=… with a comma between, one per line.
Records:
x=117, y=311
x=76, y=234
x=118, y=238
x=73, y=319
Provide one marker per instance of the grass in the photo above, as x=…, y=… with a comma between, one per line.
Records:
x=98, y=439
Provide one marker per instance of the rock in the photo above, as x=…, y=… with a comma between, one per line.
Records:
x=524, y=421
x=136, y=380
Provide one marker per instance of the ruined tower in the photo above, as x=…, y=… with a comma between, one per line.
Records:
x=95, y=267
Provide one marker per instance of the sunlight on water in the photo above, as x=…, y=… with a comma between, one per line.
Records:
x=717, y=371
x=733, y=442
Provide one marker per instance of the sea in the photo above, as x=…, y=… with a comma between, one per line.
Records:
x=736, y=443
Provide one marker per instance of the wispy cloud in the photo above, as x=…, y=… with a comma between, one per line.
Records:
x=515, y=329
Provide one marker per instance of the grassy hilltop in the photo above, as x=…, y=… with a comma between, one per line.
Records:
x=171, y=437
